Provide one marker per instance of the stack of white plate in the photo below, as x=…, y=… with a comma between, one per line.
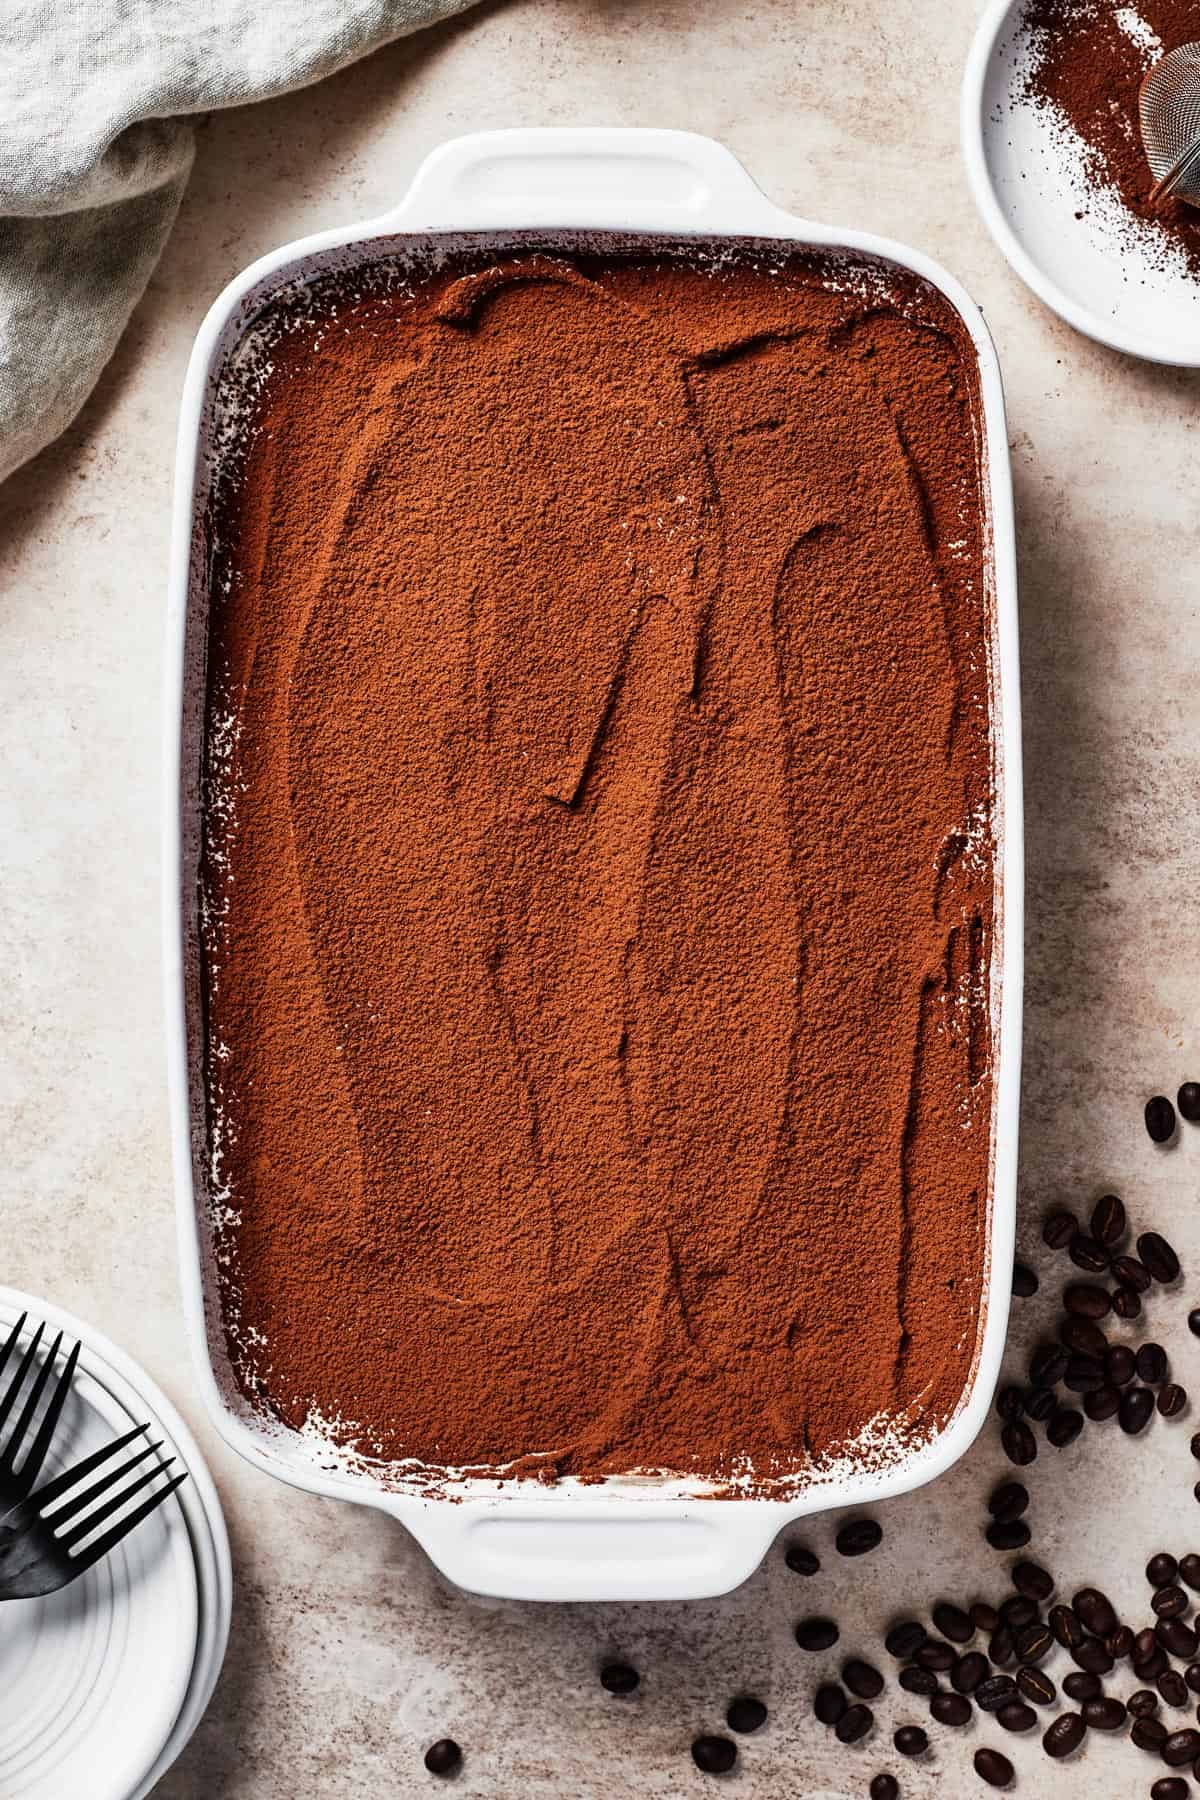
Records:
x=101, y=1685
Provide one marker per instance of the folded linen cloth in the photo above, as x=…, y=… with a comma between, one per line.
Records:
x=95, y=151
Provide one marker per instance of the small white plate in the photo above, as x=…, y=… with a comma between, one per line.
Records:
x=1028, y=188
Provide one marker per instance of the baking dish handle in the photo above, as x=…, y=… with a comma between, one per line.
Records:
x=576, y=1550
x=617, y=178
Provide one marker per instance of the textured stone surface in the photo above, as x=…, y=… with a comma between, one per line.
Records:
x=348, y=1654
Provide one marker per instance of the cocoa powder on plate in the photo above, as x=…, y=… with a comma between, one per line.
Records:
x=598, y=865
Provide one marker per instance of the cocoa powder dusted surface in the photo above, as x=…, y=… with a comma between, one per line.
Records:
x=598, y=866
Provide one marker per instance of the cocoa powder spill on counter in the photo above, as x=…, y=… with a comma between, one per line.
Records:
x=598, y=866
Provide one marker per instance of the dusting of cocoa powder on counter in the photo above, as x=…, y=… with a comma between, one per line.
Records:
x=598, y=866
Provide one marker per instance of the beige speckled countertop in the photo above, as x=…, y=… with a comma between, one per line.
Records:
x=348, y=1654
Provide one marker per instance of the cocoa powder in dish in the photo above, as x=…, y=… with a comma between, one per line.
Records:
x=597, y=873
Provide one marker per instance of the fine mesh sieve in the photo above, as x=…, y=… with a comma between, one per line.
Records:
x=1169, y=112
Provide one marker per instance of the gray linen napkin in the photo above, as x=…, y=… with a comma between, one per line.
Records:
x=95, y=150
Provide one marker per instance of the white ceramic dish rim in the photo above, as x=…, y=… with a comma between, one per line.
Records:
x=634, y=1540
x=998, y=16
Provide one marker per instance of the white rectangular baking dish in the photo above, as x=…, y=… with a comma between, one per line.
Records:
x=627, y=1539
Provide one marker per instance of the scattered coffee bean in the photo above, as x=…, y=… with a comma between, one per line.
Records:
x=884, y=1787
x=1064, y=1427
x=1181, y=1747
x=911, y=1740
x=1127, y=1303
x=1169, y=1787
x=968, y=1672
x=950, y=1709
x=1094, y=1611
x=992, y=1767
x=1065, y=1626
x=816, y=1634
x=1148, y=1734
x=995, y=1692
x=858, y=1536
x=1178, y=1639
x=1194, y=1445
x=1151, y=1364
x=905, y=1638
x=1194, y=1321
x=1018, y=1611
x=1161, y=1569
x=801, y=1560
x=1047, y=1365
x=1131, y=1273
x=1034, y=1642
x=1169, y=1602
x=1160, y=1118
x=1084, y=1373
x=1158, y=1256
x=1084, y=1300
x=1192, y=1676
x=1172, y=1687
x=1171, y=1400
x=1188, y=1101
x=1119, y=1643
x=443, y=1757
x=1143, y=1704
x=983, y=1616
x=1105, y=1713
x=1007, y=1534
x=829, y=1703
x=1040, y=1403
x=1102, y=1403
x=1083, y=1337
x=1030, y=1579
x=854, y=1723
x=1010, y=1402
x=1136, y=1410
x=714, y=1755
x=619, y=1678
x=1092, y=1656
x=1025, y=1281
x=1001, y=1649
x=952, y=1621
x=862, y=1679
x=1087, y=1254
x=1189, y=1572
x=1080, y=1684
x=1058, y=1230
x=1020, y=1445
x=1034, y=1684
x=1064, y=1735
x=918, y=1681
x=1016, y=1716
x=1108, y=1220
x=1153, y=1666
x=936, y=1656
x=745, y=1714
x=1120, y=1365
x=1008, y=1501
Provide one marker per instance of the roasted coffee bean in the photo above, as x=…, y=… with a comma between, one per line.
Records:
x=918, y=1681
x=714, y=1755
x=619, y=1678
x=816, y=1634
x=950, y=1709
x=1001, y=1649
x=1194, y=1321
x=1025, y=1281
x=1154, y=1665
x=1007, y=1534
x=1016, y=1716
x=801, y=1560
x=443, y=1757
x=1181, y=1747
x=1105, y=1713
x=1047, y=1365
x=1177, y=1639
x=1127, y=1303
x=1064, y=1427
x=1034, y=1684
x=1120, y=1365
x=1169, y=1787
x=1087, y=1254
x=995, y=1692
x=1119, y=1643
x=1144, y=1644
x=1081, y=1685
x=1160, y=1118
x=1083, y=1337
x=884, y=1787
x=1094, y=1611
x=1020, y=1445
x=1084, y=1300
x=992, y=1767
x=1189, y=1571
x=936, y=1656
x=1148, y=1734
x=1161, y=1569
x=1031, y=1579
x=1084, y=1374
x=1040, y=1402
x=983, y=1616
x=1065, y=1626
x=1010, y=1402
x=1103, y=1403
x=1172, y=1687
x=1092, y=1656
x=1194, y=1445
x=1058, y=1229
x=854, y=1723
x=1064, y=1735
x=1034, y=1642
x=858, y=1536
x=1171, y=1400
x=905, y=1638
x=1108, y=1219
x=1188, y=1101
x=968, y=1672
x=862, y=1679
x=829, y=1703
x=1192, y=1676
x=1151, y=1364
x=1143, y=1704
x=1157, y=1256
x=952, y=1621
x=1169, y=1602
x=1132, y=1274
x=1136, y=1410
x=1008, y=1501
x=1018, y=1611
x=745, y=1714
x=910, y=1740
